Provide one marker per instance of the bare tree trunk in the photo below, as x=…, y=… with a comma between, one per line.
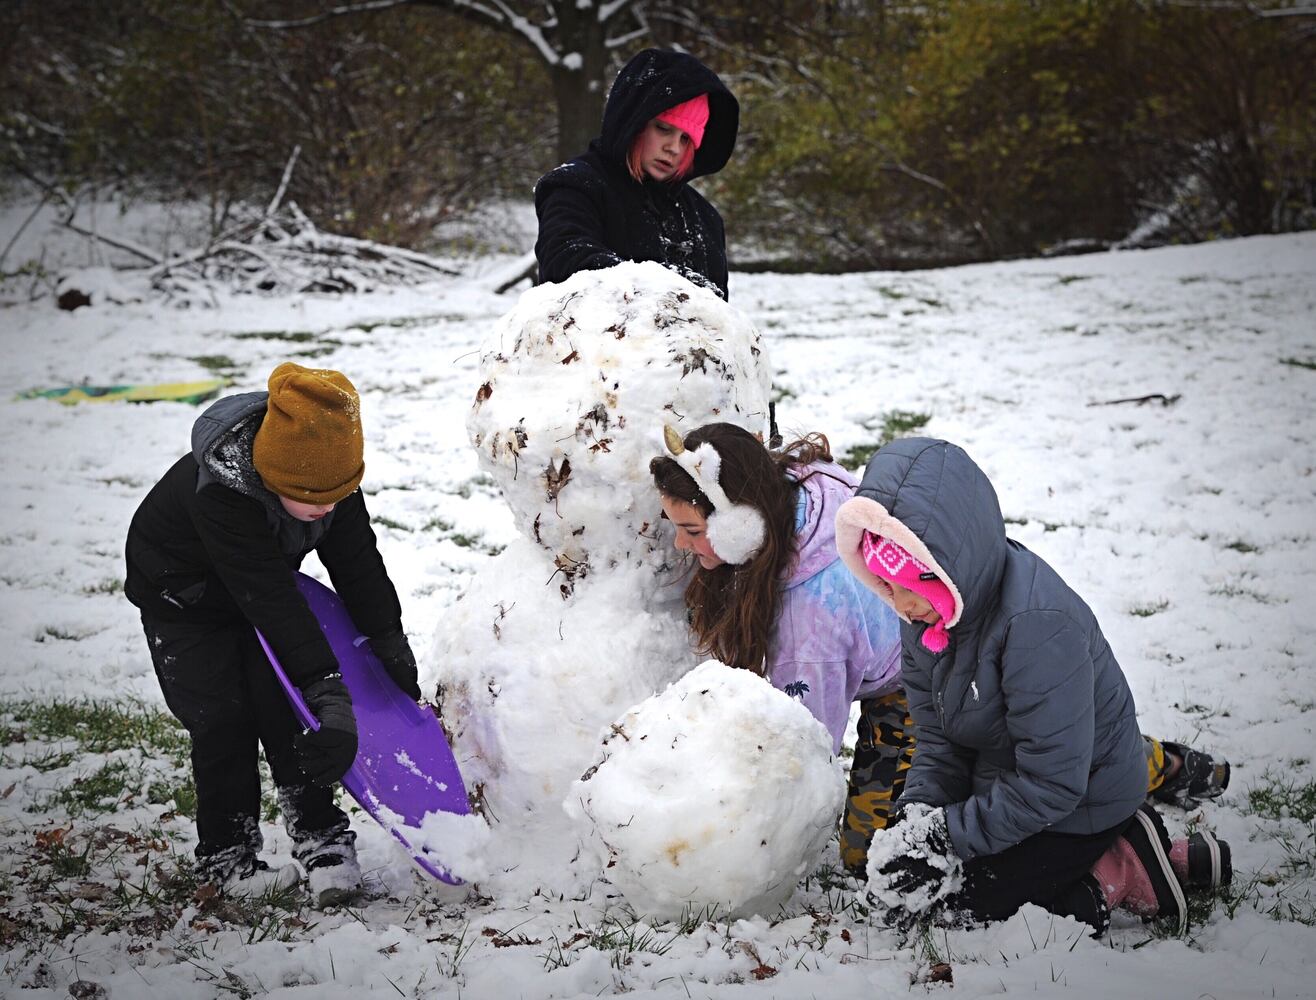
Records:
x=578, y=78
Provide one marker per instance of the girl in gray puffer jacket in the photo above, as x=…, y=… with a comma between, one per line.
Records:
x=1029, y=777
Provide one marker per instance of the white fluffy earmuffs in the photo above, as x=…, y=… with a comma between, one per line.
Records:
x=735, y=530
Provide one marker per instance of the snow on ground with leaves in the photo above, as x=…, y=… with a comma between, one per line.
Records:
x=1186, y=521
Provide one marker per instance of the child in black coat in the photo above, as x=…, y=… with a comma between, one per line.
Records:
x=211, y=553
x=668, y=120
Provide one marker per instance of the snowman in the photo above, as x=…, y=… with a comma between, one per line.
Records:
x=581, y=617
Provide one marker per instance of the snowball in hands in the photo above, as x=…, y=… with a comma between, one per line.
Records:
x=910, y=838
x=720, y=791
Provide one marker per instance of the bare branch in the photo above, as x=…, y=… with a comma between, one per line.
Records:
x=118, y=244
x=333, y=12
x=607, y=11
x=45, y=197
x=283, y=182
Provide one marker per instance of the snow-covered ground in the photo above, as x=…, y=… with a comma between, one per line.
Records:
x=1187, y=526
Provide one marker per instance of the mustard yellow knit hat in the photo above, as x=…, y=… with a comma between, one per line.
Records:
x=309, y=447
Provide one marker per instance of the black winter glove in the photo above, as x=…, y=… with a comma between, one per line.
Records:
x=395, y=653
x=327, y=753
x=914, y=868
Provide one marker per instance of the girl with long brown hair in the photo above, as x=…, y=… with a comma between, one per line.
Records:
x=769, y=594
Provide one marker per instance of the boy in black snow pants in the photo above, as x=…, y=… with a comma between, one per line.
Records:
x=211, y=553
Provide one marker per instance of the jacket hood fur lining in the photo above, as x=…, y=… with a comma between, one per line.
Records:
x=860, y=514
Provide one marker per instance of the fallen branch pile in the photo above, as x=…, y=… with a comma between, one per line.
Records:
x=283, y=251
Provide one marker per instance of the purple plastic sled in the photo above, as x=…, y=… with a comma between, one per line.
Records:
x=404, y=767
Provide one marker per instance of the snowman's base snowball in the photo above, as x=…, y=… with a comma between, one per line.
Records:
x=719, y=792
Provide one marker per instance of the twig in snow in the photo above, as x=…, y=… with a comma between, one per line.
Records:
x=1155, y=397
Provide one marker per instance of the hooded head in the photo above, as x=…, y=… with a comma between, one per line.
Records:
x=890, y=562
x=931, y=500
x=657, y=81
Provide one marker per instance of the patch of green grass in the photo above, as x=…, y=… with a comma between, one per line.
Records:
x=1147, y=610
x=388, y=522
x=895, y=424
x=100, y=726
x=1278, y=798
x=692, y=918
x=1201, y=904
x=827, y=877
x=1308, y=363
x=108, y=879
x=1286, y=893
x=858, y=456
x=1069, y=279
x=65, y=860
x=480, y=483
x=97, y=792
x=182, y=795
x=623, y=938
x=217, y=363
x=408, y=322
x=1238, y=590
x=1241, y=546
x=48, y=759
x=446, y=529
x=316, y=352
x=110, y=585
x=55, y=632
x=292, y=336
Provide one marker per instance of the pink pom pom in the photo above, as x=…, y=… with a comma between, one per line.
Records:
x=935, y=637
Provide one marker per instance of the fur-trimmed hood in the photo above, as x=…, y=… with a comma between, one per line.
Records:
x=930, y=498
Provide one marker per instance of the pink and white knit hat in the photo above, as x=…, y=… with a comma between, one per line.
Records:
x=892, y=563
x=691, y=117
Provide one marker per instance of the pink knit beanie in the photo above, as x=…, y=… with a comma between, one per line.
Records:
x=691, y=117
x=892, y=563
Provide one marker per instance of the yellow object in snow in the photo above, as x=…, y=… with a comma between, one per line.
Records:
x=174, y=392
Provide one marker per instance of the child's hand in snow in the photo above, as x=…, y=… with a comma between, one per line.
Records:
x=912, y=867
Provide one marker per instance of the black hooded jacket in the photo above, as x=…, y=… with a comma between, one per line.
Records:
x=211, y=546
x=593, y=214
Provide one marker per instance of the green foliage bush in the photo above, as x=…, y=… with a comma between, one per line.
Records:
x=980, y=129
x=402, y=121
x=873, y=133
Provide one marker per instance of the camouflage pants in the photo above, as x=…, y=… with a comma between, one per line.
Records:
x=1156, y=763
x=883, y=752
x=882, y=755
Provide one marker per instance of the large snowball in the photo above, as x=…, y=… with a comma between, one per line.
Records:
x=575, y=385
x=720, y=791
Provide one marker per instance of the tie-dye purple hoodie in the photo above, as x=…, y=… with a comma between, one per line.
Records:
x=835, y=640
